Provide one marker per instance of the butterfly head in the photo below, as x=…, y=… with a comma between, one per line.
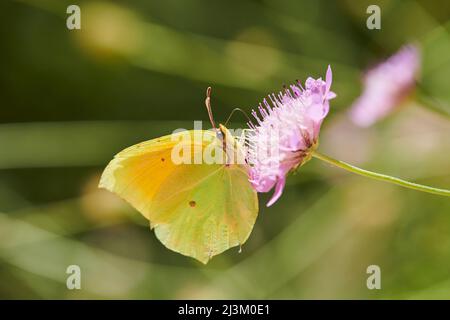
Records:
x=224, y=134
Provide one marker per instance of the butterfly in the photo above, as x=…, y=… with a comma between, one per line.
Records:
x=196, y=209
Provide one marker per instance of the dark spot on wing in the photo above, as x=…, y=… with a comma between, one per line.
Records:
x=162, y=159
x=192, y=203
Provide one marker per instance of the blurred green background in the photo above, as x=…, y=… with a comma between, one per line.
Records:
x=70, y=100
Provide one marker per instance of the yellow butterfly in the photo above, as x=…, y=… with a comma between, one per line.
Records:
x=196, y=209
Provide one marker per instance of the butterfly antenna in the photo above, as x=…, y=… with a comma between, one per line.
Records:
x=233, y=111
x=208, y=107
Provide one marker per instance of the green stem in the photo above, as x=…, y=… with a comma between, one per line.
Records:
x=379, y=176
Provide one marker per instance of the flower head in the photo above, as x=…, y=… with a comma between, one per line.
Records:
x=286, y=132
x=385, y=86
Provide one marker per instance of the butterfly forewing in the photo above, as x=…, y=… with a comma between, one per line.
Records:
x=197, y=209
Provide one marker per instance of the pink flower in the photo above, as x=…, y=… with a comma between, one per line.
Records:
x=286, y=133
x=385, y=86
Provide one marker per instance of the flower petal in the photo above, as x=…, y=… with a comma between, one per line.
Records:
x=328, y=80
x=278, y=190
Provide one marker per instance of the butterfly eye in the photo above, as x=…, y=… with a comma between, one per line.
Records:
x=219, y=135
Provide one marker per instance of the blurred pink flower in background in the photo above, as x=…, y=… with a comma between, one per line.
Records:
x=386, y=86
x=286, y=133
